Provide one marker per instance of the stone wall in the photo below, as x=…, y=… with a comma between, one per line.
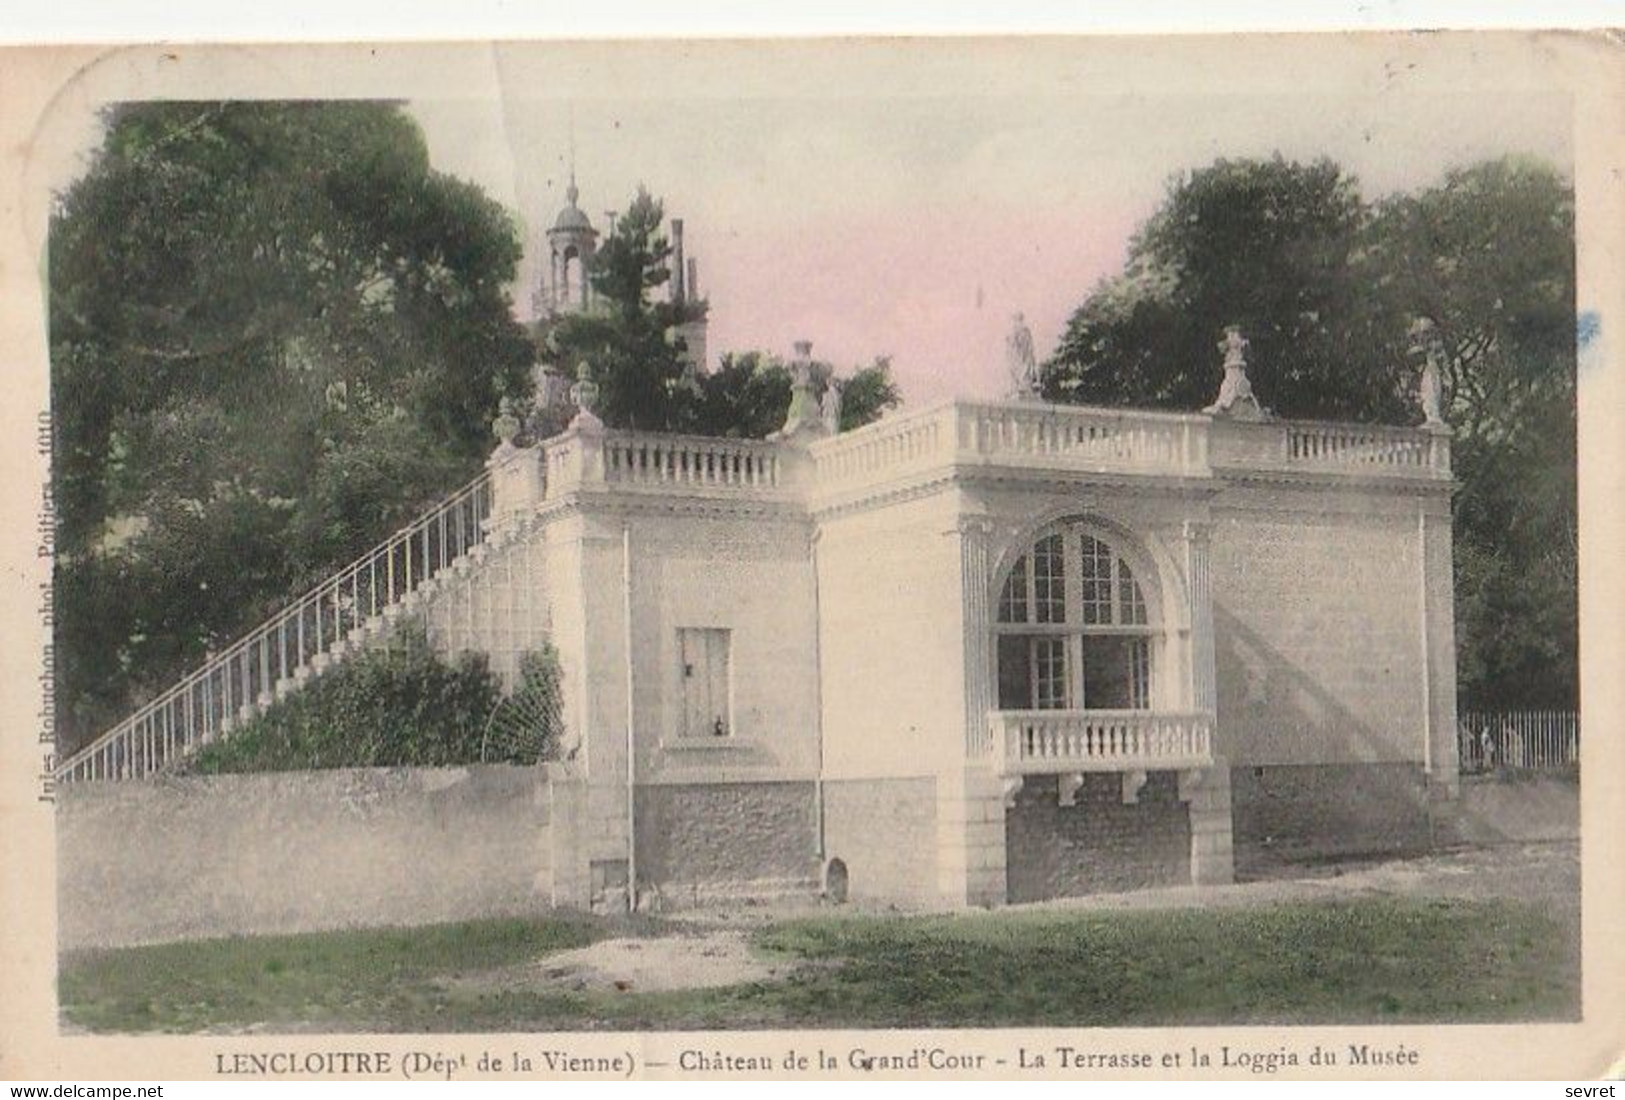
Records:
x=891, y=640
x=1288, y=813
x=1099, y=844
x=885, y=832
x=204, y=856
x=1516, y=808
x=699, y=840
x=1318, y=629
x=750, y=576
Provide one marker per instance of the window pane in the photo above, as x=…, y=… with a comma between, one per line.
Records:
x=1015, y=673
x=1049, y=660
x=1097, y=582
x=1049, y=581
x=1116, y=673
x=1140, y=673
x=1013, y=601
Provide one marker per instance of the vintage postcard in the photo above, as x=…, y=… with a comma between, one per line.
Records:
x=978, y=558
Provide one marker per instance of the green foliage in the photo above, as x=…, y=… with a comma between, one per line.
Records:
x=749, y=392
x=637, y=356
x=1326, y=288
x=630, y=340
x=395, y=706
x=528, y=725
x=1267, y=245
x=1488, y=256
x=275, y=333
x=1364, y=961
x=868, y=394
x=315, y=976
x=745, y=397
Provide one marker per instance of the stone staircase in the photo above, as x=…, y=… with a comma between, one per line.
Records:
x=344, y=614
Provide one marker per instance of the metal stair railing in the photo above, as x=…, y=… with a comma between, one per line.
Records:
x=337, y=616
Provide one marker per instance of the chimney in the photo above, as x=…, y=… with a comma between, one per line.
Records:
x=803, y=350
x=692, y=286
x=678, y=290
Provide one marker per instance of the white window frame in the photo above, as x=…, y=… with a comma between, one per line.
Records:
x=1073, y=629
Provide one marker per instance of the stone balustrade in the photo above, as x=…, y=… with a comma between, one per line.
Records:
x=1036, y=742
x=1110, y=438
x=966, y=436
x=1017, y=434
x=1346, y=445
x=649, y=459
x=1011, y=439
x=1321, y=447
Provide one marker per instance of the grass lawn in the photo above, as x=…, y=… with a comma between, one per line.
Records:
x=1359, y=961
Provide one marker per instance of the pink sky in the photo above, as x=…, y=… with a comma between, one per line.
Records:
x=906, y=197
x=914, y=227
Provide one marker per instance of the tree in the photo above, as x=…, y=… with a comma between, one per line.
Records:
x=748, y=394
x=631, y=340
x=1327, y=288
x=868, y=394
x=1488, y=257
x=275, y=331
x=1271, y=246
x=638, y=358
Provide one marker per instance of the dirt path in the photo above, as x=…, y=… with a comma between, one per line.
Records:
x=705, y=960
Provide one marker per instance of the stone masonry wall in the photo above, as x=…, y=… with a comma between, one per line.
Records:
x=698, y=839
x=147, y=861
x=1296, y=812
x=885, y=831
x=1318, y=633
x=1099, y=844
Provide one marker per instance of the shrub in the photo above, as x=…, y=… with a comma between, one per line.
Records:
x=401, y=704
x=528, y=726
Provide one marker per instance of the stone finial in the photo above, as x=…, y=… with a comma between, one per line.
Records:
x=585, y=395
x=506, y=424
x=1021, y=362
x=1426, y=345
x=1235, y=391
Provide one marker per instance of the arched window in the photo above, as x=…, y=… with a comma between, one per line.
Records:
x=570, y=274
x=1073, y=630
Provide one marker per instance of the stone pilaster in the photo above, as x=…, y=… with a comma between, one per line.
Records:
x=970, y=837
x=1206, y=792
x=1198, y=570
x=516, y=483
x=586, y=827
x=974, y=533
x=1438, y=651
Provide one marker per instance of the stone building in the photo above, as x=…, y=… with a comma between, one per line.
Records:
x=980, y=652
x=983, y=651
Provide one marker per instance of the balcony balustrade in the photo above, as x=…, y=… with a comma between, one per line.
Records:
x=1043, y=742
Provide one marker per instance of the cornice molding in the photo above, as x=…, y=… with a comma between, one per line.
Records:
x=1395, y=484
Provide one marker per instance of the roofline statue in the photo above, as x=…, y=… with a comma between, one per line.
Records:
x=1021, y=362
x=1236, y=391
